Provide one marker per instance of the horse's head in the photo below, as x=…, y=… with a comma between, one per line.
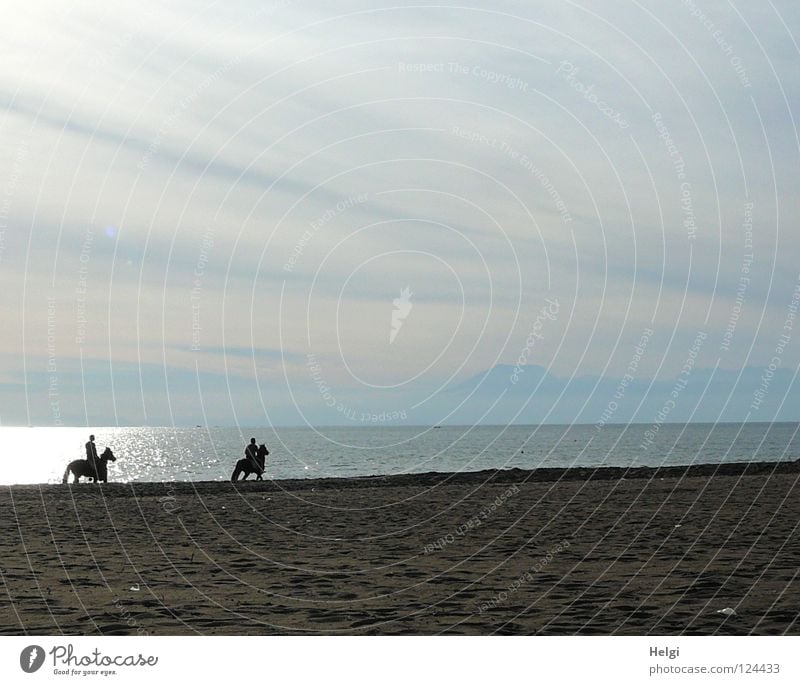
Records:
x=262, y=450
x=108, y=455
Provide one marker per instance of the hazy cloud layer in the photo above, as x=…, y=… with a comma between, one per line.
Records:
x=181, y=186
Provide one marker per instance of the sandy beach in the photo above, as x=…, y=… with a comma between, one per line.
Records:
x=558, y=552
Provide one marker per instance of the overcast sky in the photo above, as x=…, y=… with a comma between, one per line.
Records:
x=196, y=196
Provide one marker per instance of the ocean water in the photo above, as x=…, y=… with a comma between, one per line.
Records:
x=40, y=455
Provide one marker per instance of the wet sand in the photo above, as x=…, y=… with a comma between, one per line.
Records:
x=559, y=552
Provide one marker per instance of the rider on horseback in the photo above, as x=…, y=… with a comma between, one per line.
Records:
x=91, y=453
x=255, y=459
x=251, y=454
x=95, y=468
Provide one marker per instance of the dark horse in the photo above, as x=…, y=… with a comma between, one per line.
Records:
x=247, y=467
x=82, y=467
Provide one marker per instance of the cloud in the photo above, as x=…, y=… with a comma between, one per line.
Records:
x=504, y=153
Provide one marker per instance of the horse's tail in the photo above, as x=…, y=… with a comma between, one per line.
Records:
x=66, y=474
x=236, y=472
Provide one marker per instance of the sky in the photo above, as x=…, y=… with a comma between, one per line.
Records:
x=310, y=212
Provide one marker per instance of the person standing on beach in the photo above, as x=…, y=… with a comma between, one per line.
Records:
x=91, y=453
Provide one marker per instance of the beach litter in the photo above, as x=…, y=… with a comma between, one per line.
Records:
x=134, y=587
x=727, y=611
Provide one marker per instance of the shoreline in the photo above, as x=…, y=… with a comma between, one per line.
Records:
x=435, y=478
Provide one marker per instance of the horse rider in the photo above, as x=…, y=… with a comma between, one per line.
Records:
x=91, y=453
x=251, y=454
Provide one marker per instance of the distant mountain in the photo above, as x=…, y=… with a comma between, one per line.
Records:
x=505, y=377
x=533, y=395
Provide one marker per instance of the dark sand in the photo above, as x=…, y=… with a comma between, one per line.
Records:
x=653, y=552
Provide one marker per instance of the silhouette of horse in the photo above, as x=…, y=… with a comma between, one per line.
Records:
x=247, y=467
x=82, y=467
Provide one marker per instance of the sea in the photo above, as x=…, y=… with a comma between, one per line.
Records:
x=157, y=454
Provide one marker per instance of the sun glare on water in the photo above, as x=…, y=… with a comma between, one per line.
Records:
x=40, y=455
